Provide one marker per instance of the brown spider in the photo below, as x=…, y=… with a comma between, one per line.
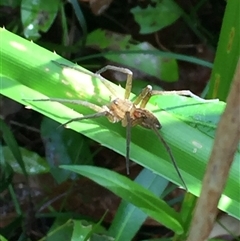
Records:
x=129, y=113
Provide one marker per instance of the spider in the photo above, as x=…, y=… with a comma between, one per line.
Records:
x=129, y=113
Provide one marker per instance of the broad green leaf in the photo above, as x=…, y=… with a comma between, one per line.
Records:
x=10, y=3
x=134, y=193
x=157, y=17
x=34, y=164
x=228, y=52
x=38, y=17
x=81, y=230
x=12, y=145
x=187, y=211
x=27, y=72
x=63, y=146
x=152, y=63
x=2, y=238
x=6, y=172
x=61, y=229
x=99, y=237
x=204, y=117
x=129, y=218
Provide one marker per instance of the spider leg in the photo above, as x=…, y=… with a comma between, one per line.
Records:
x=72, y=67
x=97, y=74
x=128, y=137
x=92, y=116
x=147, y=93
x=171, y=155
x=100, y=110
x=182, y=92
x=76, y=102
x=143, y=99
x=126, y=71
x=144, y=96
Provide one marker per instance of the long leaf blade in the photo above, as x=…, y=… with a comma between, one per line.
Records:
x=132, y=192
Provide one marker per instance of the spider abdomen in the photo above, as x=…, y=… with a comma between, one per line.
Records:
x=146, y=119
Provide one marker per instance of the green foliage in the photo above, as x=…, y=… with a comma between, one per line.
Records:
x=152, y=19
x=124, y=227
x=33, y=163
x=153, y=157
x=228, y=53
x=154, y=65
x=12, y=146
x=134, y=193
x=27, y=72
x=38, y=18
x=66, y=143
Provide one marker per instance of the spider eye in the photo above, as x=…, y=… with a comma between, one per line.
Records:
x=158, y=125
x=140, y=114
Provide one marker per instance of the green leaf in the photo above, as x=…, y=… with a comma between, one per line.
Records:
x=164, y=68
x=81, y=230
x=25, y=75
x=228, y=52
x=204, y=117
x=12, y=145
x=38, y=17
x=33, y=163
x=134, y=193
x=129, y=218
x=2, y=238
x=63, y=146
x=187, y=211
x=6, y=172
x=10, y=3
x=153, y=19
x=61, y=230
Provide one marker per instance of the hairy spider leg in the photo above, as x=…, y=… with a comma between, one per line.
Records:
x=143, y=99
x=144, y=96
x=183, y=93
x=128, y=136
x=97, y=74
x=75, y=102
x=171, y=155
x=99, y=110
x=91, y=116
x=100, y=113
x=128, y=89
x=129, y=74
x=147, y=93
